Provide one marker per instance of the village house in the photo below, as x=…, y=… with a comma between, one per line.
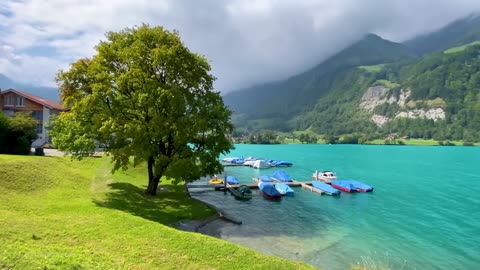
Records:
x=12, y=101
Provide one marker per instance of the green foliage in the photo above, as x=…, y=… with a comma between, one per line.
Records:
x=17, y=133
x=145, y=95
x=63, y=214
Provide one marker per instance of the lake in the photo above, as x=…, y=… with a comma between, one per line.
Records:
x=423, y=214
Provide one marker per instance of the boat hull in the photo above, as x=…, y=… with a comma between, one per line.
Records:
x=344, y=186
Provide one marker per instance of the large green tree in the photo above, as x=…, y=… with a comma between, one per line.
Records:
x=144, y=97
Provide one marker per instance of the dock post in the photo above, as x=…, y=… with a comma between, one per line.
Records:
x=225, y=184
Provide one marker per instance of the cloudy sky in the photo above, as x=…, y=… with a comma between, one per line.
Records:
x=246, y=41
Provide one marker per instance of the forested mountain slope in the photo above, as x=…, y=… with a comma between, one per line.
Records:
x=377, y=87
x=460, y=32
x=298, y=94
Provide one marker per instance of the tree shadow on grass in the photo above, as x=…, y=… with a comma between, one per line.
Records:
x=169, y=206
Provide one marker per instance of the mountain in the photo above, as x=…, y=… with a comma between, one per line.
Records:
x=278, y=101
x=459, y=32
x=40, y=91
x=375, y=88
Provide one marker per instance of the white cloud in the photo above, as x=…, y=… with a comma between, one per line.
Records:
x=246, y=41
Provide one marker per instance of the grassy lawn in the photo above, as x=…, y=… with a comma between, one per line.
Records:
x=62, y=214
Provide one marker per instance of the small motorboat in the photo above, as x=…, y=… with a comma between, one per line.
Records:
x=269, y=191
x=325, y=188
x=232, y=180
x=263, y=178
x=343, y=185
x=243, y=192
x=215, y=181
x=325, y=176
x=360, y=186
x=284, y=189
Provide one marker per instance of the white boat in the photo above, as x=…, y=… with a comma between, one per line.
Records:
x=249, y=163
x=261, y=164
x=325, y=176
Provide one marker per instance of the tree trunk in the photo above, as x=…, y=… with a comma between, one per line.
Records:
x=153, y=180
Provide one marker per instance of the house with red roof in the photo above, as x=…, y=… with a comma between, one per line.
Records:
x=12, y=101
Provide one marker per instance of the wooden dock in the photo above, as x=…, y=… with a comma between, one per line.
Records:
x=305, y=185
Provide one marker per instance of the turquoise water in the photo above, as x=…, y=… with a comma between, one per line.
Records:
x=423, y=214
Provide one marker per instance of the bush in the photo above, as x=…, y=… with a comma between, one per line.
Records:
x=17, y=133
x=468, y=144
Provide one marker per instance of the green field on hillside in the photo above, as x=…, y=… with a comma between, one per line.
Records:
x=373, y=68
x=461, y=48
x=62, y=214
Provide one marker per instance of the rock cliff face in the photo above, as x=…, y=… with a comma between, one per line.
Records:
x=378, y=95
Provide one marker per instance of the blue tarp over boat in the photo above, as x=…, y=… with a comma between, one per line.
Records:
x=232, y=180
x=343, y=185
x=281, y=176
x=360, y=186
x=280, y=163
x=269, y=191
x=265, y=178
x=284, y=189
x=326, y=188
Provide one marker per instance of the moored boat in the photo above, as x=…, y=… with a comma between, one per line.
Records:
x=284, y=189
x=343, y=185
x=261, y=164
x=263, y=178
x=280, y=163
x=360, y=186
x=325, y=188
x=243, y=192
x=269, y=191
x=232, y=180
x=325, y=176
x=215, y=181
x=281, y=176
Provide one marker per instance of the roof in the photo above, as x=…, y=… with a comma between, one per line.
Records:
x=45, y=102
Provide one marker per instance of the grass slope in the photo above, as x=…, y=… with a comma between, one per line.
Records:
x=461, y=48
x=62, y=214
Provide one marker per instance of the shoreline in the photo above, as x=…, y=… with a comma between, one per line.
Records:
x=210, y=226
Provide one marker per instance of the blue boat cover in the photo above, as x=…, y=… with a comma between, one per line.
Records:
x=284, y=189
x=324, y=187
x=268, y=189
x=232, y=180
x=360, y=185
x=344, y=184
x=280, y=162
x=265, y=178
x=281, y=176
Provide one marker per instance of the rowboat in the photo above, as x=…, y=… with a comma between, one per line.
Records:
x=243, y=192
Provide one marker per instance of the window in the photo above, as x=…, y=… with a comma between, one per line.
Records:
x=38, y=115
x=9, y=100
x=20, y=101
x=14, y=100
